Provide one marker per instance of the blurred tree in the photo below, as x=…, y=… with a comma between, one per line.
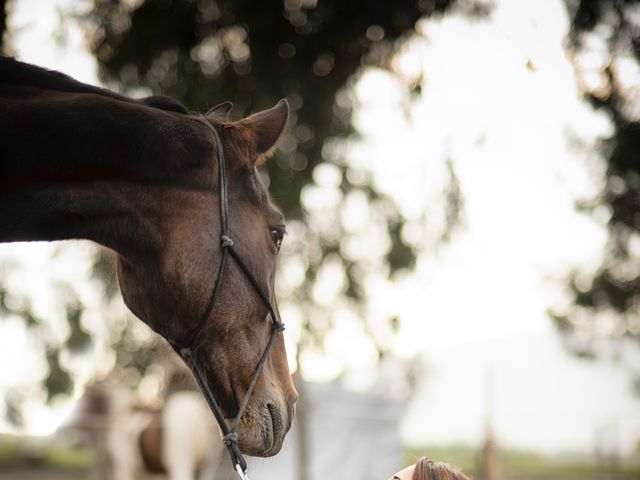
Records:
x=253, y=53
x=604, y=41
x=3, y=23
x=74, y=341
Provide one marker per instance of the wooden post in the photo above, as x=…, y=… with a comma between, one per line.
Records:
x=302, y=425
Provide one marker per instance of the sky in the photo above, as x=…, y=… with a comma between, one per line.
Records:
x=500, y=102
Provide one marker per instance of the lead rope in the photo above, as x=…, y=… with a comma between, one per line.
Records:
x=187, y=349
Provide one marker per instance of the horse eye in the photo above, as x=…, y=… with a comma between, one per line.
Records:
x=277, y=234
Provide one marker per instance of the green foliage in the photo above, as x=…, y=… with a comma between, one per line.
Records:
x=79, y=339
x=401, y=255
x=103, y=270
x=3, y=24
x=67, y=341
x=610, y=294
x=58, y=380
x=254, y=53
x=13, y=400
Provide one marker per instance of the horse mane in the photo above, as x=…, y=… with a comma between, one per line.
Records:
x=27, y=75
x=167, y=104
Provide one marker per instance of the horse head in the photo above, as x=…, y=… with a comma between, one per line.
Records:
x=170, y=288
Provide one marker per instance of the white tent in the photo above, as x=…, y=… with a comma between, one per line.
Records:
x=351, y=436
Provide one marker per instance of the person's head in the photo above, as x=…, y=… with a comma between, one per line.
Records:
x=425, y=469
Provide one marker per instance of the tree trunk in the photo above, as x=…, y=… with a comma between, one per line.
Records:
x=302, y=421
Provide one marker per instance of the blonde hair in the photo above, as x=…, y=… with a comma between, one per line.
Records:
x=426, y=469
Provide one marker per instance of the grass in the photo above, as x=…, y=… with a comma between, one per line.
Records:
x=41, y=452
x=9, y=449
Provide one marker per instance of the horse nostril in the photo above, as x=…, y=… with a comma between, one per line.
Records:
x=276, y=417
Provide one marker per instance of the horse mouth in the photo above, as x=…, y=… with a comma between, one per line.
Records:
x=267, y=435
x=277, y=429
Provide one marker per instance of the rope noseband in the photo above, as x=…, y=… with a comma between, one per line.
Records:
x=187, y=348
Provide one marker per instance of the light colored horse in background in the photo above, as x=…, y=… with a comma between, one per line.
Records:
x=180, y=440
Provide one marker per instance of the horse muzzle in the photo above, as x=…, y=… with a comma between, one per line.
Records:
x=263, y=428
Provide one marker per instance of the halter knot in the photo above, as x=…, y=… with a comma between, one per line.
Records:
x=225, y=241
x=278, y=326
x=230, y=438
x=185, y=352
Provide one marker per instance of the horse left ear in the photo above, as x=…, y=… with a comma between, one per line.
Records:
x=220, y=113
x=267, y=126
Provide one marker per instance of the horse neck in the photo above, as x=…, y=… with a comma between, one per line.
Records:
x=77, y=165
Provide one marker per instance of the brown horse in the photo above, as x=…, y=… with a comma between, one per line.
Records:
x=141, y=178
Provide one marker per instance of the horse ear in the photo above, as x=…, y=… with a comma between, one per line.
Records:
x=267, y=126
x=220, y=113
